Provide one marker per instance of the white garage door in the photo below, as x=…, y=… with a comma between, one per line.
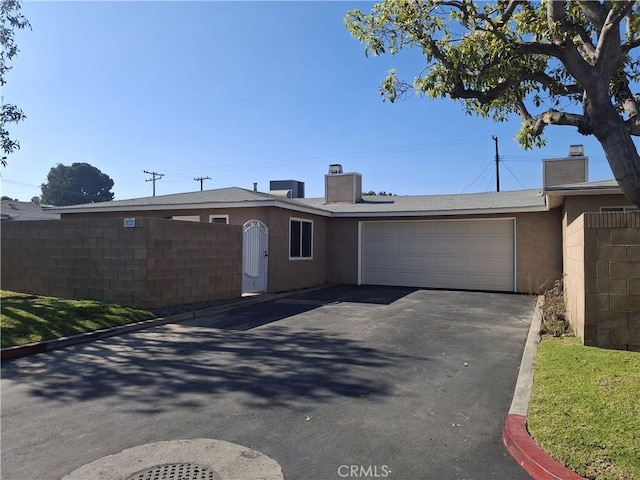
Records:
x=466, y=254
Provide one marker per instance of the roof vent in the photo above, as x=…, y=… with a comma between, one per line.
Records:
x=576, y=151
x=335, y=168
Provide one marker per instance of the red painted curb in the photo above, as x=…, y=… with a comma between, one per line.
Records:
x=23, y=350
x=529, y=455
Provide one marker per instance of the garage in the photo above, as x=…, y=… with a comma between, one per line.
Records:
x=456, y=254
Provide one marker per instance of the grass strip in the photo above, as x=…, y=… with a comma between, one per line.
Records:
x=585, y=408
x=28, y=318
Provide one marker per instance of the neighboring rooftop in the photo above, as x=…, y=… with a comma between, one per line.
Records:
x=13, y=210
x=204, y=197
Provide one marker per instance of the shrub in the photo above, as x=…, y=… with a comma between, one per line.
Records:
x=553, y=312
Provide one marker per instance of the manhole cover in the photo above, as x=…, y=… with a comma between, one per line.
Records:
x=176, y=471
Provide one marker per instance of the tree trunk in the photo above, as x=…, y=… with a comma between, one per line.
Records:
x=623, y=159
x=612, y=133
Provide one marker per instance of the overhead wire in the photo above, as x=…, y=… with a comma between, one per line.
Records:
x=479, y=175
x=513, y=175
x=335, y=156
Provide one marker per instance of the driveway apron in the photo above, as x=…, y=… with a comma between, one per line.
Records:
x=345, y=382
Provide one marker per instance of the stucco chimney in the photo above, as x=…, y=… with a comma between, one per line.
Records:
x=565, y=171
x=342, y=187
x=255, y=186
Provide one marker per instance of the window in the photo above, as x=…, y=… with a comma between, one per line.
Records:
x=220, y=219
x=300, y=239
x=618, y=209
x=186, y=218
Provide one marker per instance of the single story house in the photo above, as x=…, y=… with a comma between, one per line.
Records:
x=510, y=241
x=14, y=210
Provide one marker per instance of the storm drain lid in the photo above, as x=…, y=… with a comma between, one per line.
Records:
x=176, y=471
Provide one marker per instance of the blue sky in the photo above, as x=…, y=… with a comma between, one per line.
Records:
x=242, y=92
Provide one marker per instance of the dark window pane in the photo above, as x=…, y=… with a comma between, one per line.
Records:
x=294, y=251
x=306, y=239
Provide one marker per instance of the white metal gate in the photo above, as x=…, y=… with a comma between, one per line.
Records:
x=255, y=248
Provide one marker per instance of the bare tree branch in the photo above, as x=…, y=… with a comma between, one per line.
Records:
x=511, y=7
x=487, y=96
x=555, y=14
x=551, y=117
x=554, y=86
x=593, y=11
x=555, y=117
x=630, y=45
x=633, y=125
x=585, y=41
x=608, y=51
x=623, y=95
x=537, y=124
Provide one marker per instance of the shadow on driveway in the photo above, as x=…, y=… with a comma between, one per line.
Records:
x=159, y=369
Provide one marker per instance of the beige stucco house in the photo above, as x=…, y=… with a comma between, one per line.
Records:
x=504, y=241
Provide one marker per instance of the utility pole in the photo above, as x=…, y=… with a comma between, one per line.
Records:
x=201, y=179
x=495, y=139
x=155, y=176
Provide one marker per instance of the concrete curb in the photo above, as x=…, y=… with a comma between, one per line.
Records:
x=57, y=343
x=515, y=435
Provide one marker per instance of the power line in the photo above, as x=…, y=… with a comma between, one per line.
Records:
x=155, y=176
x=339, y=156
x=201, y=179
x=514, y=175
x=475, y=179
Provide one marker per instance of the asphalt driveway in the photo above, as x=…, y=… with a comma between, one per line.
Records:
x=415, y=383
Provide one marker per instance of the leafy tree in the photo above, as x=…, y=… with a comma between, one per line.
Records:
x=79, y=183
x=4, y=197
x=382, y=194
x=10, y=19
x=532, y=59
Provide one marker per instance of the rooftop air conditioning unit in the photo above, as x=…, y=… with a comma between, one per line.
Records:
x=576, y=151
x=335, y=168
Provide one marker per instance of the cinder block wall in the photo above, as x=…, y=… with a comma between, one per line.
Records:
x=602, y=279
x=574, y=276
x=157, y=263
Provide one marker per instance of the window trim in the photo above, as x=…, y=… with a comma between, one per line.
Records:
x=301, y=221
x=619, y=209
x=186, y=218
x=225, y=216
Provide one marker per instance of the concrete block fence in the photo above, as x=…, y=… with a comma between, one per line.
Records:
x=149, y=263
x=602, y=279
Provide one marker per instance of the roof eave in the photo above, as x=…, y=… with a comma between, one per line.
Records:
x=584, y=191
x=442, y=213
x=189, y=206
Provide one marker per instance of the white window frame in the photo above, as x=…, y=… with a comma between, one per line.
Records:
x=301, y=221
x=186, y=218
x=226, y=219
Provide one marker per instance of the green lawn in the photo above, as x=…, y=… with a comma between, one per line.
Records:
x=30, y=318
x=585, y=408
